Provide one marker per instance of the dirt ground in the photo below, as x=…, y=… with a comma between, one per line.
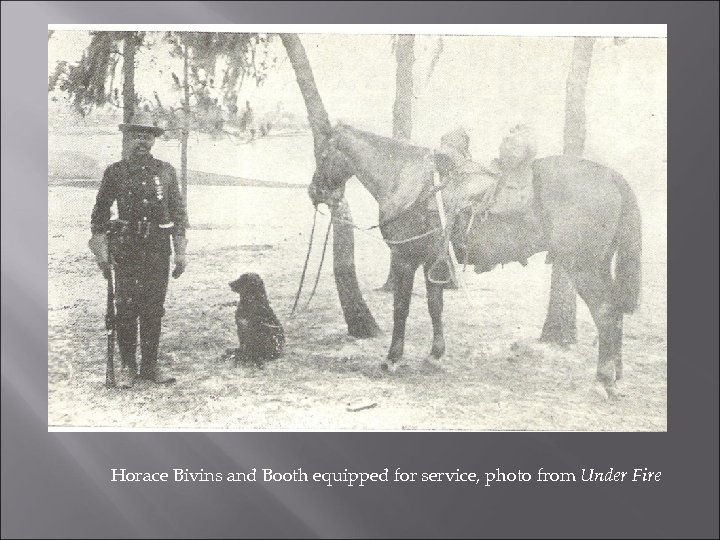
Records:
x=495, y=375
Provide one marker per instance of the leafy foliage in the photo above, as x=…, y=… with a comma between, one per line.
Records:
x=91, y=82
x=218, y=65
x=438, y=48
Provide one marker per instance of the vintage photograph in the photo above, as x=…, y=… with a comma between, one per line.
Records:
x=261, y=231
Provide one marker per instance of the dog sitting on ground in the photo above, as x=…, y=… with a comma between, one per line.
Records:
x=260, y=334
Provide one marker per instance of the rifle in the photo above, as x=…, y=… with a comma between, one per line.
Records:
x=115, y=232
x=110, y=320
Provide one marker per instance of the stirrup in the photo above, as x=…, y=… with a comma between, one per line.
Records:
x=432, y=269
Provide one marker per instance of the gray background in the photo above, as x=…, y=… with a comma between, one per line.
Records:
x=57, y=484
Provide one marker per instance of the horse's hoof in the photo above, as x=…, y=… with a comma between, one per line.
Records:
x=616, y=391
x=607, y=391
x=433, y=363
x=393, y=367
x=613, y=393
x=600, y=391
x=389, y=367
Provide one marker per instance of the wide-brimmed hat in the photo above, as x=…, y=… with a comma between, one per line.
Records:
x=142, y=121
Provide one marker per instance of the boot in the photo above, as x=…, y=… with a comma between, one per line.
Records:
x=149, y=342
x=127, y=377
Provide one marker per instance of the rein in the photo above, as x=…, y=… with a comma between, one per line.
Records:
x=391, y=242
x=307, y=258
x=322, y=258
x=437, y=188
x=413, y=238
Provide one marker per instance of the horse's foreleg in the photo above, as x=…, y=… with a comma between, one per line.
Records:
x=594, y=287
x=435, y=308
x=402, y=288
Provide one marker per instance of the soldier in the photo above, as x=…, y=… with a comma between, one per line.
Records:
x=249, y=120
x=151, y=206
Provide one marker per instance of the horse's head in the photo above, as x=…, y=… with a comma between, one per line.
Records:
x=332, y=171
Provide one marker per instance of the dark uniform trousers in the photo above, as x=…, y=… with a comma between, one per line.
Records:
x=141, y=281
x=147, y=196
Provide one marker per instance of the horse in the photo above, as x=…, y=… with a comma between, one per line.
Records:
x=584, y=215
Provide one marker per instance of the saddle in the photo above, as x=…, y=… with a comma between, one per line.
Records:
x=465, y=184
x=502, y=188
x=488, y=188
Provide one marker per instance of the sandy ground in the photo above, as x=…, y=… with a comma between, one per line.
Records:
x=496, y=376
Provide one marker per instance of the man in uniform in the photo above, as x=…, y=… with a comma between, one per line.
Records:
x=153, y=217
x=249, y=120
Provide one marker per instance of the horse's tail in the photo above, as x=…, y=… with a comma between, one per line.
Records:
x=628, y=264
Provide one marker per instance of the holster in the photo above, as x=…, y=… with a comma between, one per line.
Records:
x=118, y=235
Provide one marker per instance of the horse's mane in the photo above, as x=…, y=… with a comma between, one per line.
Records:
x=398, y=148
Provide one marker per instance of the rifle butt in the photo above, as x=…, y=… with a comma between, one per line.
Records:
x=110, y=366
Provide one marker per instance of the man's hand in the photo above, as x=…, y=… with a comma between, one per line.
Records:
x=179, y=245
x=98, y=245
x=179, y=267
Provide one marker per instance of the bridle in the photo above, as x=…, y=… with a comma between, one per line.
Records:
x=331, y=148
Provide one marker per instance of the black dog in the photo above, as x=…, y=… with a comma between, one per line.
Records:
x=260, y=334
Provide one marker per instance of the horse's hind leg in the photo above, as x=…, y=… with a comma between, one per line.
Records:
x=404, y=272
x=595, y=287
x=435, y=308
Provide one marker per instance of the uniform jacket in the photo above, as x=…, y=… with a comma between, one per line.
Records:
x=133, y=186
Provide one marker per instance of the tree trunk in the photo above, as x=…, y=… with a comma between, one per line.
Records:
x=359, y=320
x=186, y=126
x=402, y=110
x=129, y=46
x=402, y=117
x=575, y=96
x=317, y=115
x=560, y=324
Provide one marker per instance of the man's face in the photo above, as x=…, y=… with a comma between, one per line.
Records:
x=139, y=143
